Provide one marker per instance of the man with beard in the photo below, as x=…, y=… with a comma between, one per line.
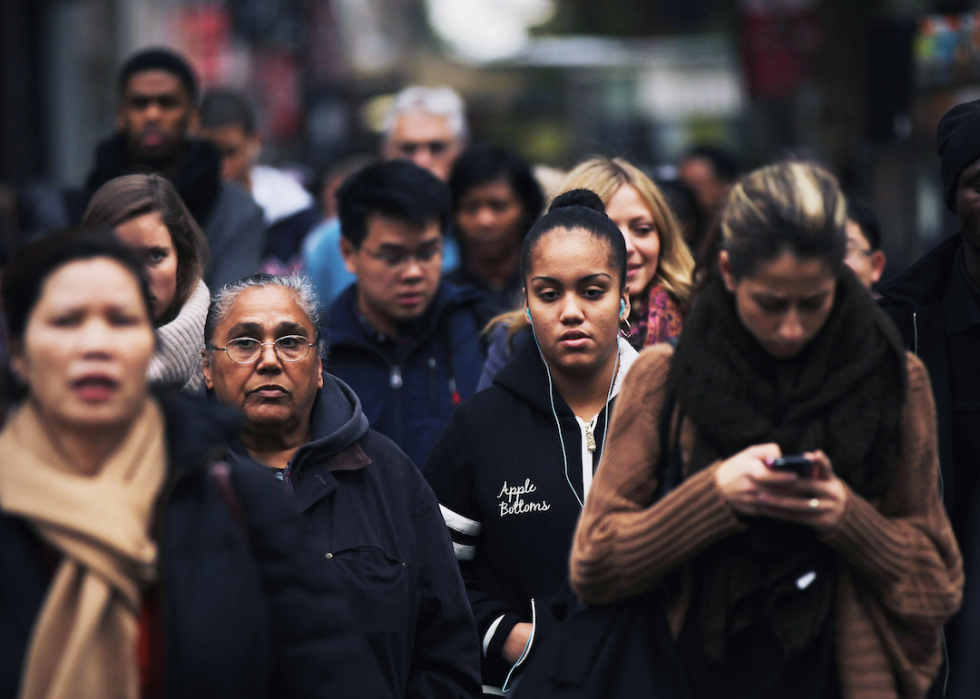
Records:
x=157, y=109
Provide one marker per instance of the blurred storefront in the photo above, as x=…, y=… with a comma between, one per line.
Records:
x=839, y=81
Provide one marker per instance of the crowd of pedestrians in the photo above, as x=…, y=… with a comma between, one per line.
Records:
x=470, y=431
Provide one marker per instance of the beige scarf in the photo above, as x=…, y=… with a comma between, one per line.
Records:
x=84, y=640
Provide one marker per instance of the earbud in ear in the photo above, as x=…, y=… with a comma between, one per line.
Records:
x=527, y=312
x=622, y=307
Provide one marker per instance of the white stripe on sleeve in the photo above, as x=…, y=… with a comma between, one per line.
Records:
x=464, y=552
x=464, y=525
x=490, y=632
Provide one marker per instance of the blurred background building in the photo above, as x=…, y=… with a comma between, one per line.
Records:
x=858, y=85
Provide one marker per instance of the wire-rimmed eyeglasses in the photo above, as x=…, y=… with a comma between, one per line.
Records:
x=246, y=350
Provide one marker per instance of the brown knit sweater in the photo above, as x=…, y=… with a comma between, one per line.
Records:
x=901, y=573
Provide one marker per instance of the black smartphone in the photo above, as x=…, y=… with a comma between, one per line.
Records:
x=800, y=465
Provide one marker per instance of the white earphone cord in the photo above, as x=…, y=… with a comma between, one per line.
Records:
x=554, y=413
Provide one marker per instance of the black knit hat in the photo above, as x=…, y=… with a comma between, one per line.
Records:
x=958, y=138
x=159, y=59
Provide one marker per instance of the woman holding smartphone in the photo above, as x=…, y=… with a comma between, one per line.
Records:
x=829, y=580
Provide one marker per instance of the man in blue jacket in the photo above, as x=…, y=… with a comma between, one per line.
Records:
x=406, y=342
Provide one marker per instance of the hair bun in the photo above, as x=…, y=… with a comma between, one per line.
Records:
x=578, y=197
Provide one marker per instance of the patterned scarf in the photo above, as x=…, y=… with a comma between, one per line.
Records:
x=658, y=318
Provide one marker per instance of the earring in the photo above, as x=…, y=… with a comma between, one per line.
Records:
x=627, y=332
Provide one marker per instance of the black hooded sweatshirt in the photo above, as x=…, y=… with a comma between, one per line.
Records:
x=510, y=500
x=378, y=527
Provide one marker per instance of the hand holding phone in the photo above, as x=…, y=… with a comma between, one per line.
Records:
x=798, y=464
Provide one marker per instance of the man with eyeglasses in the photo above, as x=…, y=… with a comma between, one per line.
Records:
x=426, y=125
x=864, y=253
x=406, y=342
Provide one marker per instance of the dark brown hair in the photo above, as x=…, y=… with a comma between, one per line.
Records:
x=125, y=198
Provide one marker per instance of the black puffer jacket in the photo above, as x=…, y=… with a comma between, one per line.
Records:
x=247, y=612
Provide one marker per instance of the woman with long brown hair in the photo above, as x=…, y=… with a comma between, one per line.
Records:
x=806, y=552
x=147, y=214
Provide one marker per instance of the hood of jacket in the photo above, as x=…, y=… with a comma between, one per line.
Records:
x=345, y=326
x=526, y=376
x=198, y=182
x=923, y=283
x=336, y=423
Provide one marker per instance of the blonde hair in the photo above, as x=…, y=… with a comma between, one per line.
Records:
x=604, y=176
x=790, y=206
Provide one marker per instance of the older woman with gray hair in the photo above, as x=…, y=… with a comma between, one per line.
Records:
x=368, y=508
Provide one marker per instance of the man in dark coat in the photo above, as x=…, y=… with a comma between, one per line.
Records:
x=157, y=107
x=407, y=342
x=936, y=305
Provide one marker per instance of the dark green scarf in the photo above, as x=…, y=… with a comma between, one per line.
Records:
x=844, y=394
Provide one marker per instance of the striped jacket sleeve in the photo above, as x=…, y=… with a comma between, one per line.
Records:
x=449, y=470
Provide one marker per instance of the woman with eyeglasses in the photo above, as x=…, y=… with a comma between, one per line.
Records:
x=372, y=517
x=134, y=563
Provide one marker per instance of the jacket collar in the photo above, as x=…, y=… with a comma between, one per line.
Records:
x=337, y=424
x=198, y=181
x=526, y=376
x=961, y=298
x=345, y=324
x=923, y=283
